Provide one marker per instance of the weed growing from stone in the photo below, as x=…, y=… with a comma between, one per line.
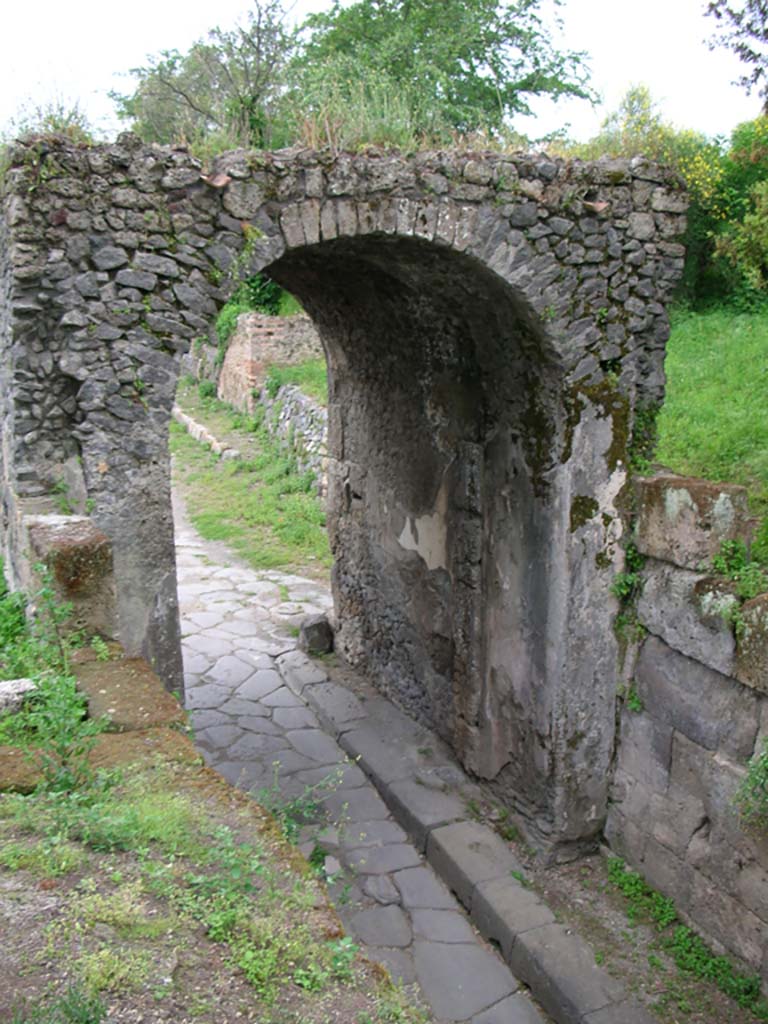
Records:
x=752, y=796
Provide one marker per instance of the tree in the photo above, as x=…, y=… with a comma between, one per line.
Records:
x=228, y=85
x=743, y=28
x=468, y=63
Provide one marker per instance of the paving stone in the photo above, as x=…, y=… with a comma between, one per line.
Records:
x=355, y=805
x=373, y=833
x=219, y=736
x=385, y=926
x=211, y=647
x=257, y=746
x=382, y=889
x=560, y=968
x=468, y=853
x=442, y=926
x=399, y=963
x=237, y=707
x=206, y=696
x=315, y=744
x=290, y=762
x=203, y=719
x=263, y=725
x=296, y=718
x=382, y=860
x=204, y=620
x=336, y=706
x=237, y=627
x=421, y=808
x=194, y=662
x=282, y=698
x=299, y=671
x=378, y=757
x=460, y=980
x=340, y=776
x=518, y=1009
x=420, y=887
x=502, y=909
x=230, y=671
x=259, y=685
x=238, y=773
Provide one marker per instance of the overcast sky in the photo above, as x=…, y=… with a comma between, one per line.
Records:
x=80, y=49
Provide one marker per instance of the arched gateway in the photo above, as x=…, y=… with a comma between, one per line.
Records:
x=492, y=325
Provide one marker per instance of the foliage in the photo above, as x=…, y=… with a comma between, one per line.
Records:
x=225, y=92
x=744, y=243
x=52, y=722
x=643, y=901
x=467, y=64
x=310, y=376
x=733, y=563
x=743, y=29
x=57, y=117
x=752, y=797
x=687, y=949
x=627, y=585
x=256, y=294
x=75, y=1006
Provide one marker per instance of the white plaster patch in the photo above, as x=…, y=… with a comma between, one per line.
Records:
x=427, y=536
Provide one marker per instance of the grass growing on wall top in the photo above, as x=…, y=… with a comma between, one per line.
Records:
x=311, y=376
x=714, y=422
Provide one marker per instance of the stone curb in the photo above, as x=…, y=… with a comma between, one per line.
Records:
x=203, y=435
x=471, y=858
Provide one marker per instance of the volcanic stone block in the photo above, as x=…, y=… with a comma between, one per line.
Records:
x=684, y=521
x=79, y=557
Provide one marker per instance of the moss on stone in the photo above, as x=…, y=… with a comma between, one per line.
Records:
x=583, y=508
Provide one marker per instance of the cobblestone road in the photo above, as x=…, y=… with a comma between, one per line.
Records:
x=255, y=730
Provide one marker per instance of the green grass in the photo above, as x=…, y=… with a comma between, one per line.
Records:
x=713, y=423
x=261, y=506
x=311, y=376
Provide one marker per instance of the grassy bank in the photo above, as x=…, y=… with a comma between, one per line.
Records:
x=714, y=422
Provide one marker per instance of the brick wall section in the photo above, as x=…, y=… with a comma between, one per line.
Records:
x=259, y=342
x=705, y=713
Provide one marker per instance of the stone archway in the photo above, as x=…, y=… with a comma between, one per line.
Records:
x=491, y=324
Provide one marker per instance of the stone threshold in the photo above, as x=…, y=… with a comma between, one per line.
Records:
x=428, y=793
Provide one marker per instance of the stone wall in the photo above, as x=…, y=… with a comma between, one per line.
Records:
x=258, y=342
x=704, y=696
x=302, y=424
x=491, y=324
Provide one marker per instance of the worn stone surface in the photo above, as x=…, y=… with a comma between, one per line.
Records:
x=684, y=521
x=467, y=343
x=752, y=654
x=13, y=693
x=79, y=559
x=466, y=854
x=709, y=708
x=561, y=969
x=387, y=896
x=684, y=609
x=316, y=635
x=128, y=692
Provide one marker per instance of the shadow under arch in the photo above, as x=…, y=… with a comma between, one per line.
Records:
x=445, y=419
